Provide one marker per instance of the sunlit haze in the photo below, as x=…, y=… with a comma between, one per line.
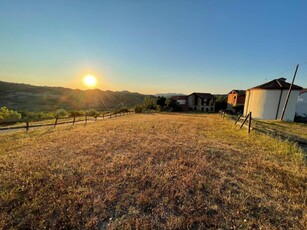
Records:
x=173, y=46
x=90, y=80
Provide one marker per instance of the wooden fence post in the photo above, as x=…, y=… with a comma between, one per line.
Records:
x=244, y=121
x=27, y=126
x=238, y=118
x=85, y=118
x=249, y=122
x=74, y=120
x=56, y=122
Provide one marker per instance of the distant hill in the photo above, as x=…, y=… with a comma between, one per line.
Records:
x=167, y=95
x=42, y=98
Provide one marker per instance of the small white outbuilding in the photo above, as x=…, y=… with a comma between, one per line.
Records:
x=267, y=101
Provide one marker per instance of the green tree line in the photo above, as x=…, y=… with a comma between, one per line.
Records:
x=10, y=115
x=158, y=104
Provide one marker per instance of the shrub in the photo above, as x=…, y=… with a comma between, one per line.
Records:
x=76, y=113
x=138, y=109
x=61, y=113
x=172, y=105
x=6, y=113
x=93, y=113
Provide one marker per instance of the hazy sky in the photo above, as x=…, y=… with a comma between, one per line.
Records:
x=153, y=46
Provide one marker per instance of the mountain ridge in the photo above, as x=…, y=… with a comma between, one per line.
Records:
x=21, y=97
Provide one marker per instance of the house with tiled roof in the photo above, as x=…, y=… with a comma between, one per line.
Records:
x=204, y=102
x=236, y=100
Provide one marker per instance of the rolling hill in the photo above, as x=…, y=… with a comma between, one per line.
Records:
x=43, y=98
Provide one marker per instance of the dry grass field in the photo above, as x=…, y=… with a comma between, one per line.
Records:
x=151, y=171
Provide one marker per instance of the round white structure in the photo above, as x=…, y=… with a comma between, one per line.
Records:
x=267, y=101
x=301, y=106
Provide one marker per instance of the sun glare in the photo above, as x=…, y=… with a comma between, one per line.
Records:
x=90, y=80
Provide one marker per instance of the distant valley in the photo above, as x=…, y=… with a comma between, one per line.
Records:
x=24, y=97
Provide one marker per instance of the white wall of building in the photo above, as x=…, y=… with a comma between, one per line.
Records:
x=182, y=101
x=264, y=104
x=301, y=106
x=191, y=100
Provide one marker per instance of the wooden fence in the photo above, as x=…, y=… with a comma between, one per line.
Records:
x=240, y=120
x=71, y=120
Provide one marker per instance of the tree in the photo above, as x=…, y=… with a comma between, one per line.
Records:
x=161, y=101
x=30, y=116
x=6, y=113
x=61, y=113
x=172, y=104
x=150, y=103
x=76, y=113
x=221, y=102
x=94, y=113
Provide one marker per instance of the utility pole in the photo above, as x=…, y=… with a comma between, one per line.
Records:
x=288, y=95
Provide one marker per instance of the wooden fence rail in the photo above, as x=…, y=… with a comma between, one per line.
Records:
x=54, y=124
x=248, y=119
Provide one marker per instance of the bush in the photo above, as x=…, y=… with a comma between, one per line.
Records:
x=93, y=113
x=138, y=109
x=76, y=113
x=30, y=116
x=172, y=105
x=221, y=103
x=61, y=113
x=6, y=113
x=36, y=116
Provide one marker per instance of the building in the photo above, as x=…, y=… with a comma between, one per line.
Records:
x=301, y=106
x=201, y=102
x=267, y=101
x=236, y=100
x=181, y=99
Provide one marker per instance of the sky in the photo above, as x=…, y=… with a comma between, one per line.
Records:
x=157, y=46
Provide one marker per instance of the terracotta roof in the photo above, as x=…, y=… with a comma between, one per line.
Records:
x=204, y=95
x=277, y=84
x=238, y=91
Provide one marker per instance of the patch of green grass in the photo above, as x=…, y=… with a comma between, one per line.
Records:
x=283, y=127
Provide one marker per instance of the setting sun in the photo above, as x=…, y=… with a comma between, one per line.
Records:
x=89, y=80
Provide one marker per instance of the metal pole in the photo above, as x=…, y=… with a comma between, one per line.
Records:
x=288, y=95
